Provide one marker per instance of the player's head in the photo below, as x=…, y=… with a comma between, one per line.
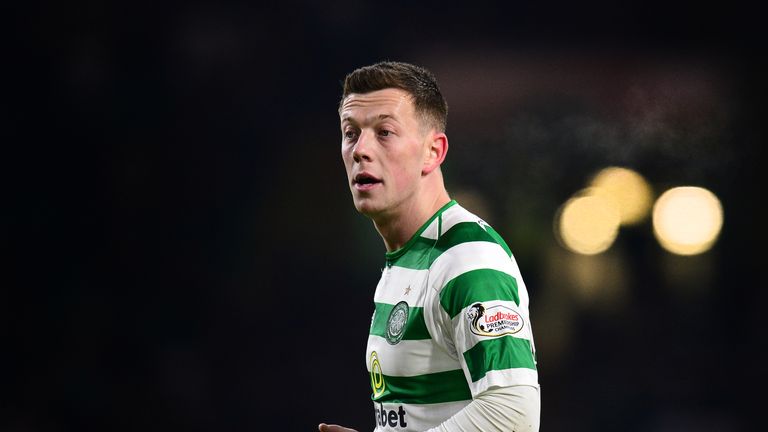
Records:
x=417, y=81
x=393, y=137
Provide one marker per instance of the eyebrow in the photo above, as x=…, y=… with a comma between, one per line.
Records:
x=378, y=117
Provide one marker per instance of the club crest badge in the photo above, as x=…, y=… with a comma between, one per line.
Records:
x=396, y=323
x=493, y=321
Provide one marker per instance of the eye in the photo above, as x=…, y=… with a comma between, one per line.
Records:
x=385, y=133
x=350, y=134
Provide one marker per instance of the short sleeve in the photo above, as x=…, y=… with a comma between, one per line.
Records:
x=482, y=300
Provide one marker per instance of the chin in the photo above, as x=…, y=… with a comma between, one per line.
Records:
x=367, y=208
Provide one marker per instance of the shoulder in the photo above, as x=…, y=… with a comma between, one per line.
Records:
x=467, y=243
x=474, y=264
x=461, y=228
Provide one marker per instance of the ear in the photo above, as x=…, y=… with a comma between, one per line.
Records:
x=435, y=149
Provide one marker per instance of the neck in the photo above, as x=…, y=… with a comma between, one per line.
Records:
x=398, y=228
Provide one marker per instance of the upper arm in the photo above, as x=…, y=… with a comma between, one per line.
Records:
x=487, y=320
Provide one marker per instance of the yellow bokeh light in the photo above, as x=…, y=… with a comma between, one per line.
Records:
x=629, y=189
x=687, y=220
x=588, y=223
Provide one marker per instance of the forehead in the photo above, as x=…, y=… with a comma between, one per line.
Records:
x=390, y=102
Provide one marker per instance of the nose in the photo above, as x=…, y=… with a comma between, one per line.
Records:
x=361, y=150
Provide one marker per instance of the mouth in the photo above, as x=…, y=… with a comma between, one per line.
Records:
x=365, y=181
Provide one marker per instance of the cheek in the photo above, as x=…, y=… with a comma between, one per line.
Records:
x=406, y=175
x=346, y=157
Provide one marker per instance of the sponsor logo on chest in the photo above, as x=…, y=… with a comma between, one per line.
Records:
x=391, y=418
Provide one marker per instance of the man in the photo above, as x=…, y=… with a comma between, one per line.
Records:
x=450, y=346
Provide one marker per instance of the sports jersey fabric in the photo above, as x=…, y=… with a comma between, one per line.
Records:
x=450, y=321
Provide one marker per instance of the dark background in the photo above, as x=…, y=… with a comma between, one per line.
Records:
x=182, y=252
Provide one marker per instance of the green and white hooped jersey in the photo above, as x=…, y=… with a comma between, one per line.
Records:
x=450, y=321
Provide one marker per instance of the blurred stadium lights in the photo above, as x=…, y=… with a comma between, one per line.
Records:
x=687, y=220
x=588, y=222
x=628, y=189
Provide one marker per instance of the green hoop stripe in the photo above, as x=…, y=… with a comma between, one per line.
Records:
x=462, y=232
x=416, y=328
x=449, y=386
x=501, y=353
x=477, y=286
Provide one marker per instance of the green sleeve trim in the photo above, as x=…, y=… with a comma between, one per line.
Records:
x=501, y=353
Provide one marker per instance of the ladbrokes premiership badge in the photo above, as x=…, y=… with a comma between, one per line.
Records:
x=494, y=320
x=396, y=323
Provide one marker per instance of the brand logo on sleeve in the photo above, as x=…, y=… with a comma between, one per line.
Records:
x=396, y=323
x=495, y=320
